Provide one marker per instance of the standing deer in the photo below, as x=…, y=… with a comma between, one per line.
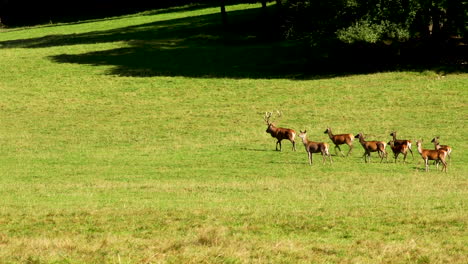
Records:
x=340, y=140
x=402, y=141
x=429, y=154
x=315, y=147
x=372, y=146
x=278, y=132
x=444, y=147
x=397, y=149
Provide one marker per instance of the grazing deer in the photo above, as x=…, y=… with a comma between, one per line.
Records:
x=340, y=140
x=372, y=146
x=278, y=132
x=429, y=154
x=315, y=147
x=444, y=147
x=397, y=149
x=402, y=141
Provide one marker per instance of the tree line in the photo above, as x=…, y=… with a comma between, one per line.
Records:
x=377, y=20
x=390, y=31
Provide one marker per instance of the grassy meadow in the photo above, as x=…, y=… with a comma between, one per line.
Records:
x=140, y=139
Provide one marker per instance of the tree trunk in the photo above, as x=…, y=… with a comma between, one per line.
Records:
x=223, y=12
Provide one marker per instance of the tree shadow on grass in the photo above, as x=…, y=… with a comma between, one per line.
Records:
x=196, y=47
x=200, y=46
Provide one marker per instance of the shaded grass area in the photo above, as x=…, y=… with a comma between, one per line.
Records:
x=193, y=47
x=200, y=46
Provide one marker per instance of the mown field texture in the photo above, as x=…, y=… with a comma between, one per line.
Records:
x=140, y=139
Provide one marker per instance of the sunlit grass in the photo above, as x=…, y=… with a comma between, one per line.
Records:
x=102, y=168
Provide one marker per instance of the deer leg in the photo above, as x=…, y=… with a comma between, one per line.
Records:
x=445, y=165
x=404, y=157
x=337, y=146
x=381, y=156
x=278, y=142
x=427, y=165
x=380, y=153
x=294, y=145
x=350, y=149
x=330, y=158
x=411, y=152
x=310, y=158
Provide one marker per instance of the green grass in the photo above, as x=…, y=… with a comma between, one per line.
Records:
x=133, y=140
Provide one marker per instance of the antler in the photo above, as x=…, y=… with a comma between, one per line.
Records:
x=278, y=113
x=267, y=117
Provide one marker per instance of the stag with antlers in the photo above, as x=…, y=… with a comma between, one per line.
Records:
x=278, y=132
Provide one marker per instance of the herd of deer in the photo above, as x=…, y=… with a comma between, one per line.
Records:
x=398, y=146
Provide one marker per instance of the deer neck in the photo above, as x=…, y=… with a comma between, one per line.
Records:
x=330, y=133
x=362, y=140
x=420, y=148
x=272, y=129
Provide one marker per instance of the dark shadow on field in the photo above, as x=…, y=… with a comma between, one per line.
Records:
x=200, y=46
x=252, y=149
x=306, y=163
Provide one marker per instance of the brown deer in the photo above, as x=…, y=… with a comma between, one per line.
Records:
x=372, y=146
x=340, y=140
x=444, y=147
x=429, y=154
x=315, y=147
x=278, y=132
x=397, y=149
x=398, y=142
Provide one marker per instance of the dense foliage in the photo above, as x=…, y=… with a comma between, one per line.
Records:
x=373, y=21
